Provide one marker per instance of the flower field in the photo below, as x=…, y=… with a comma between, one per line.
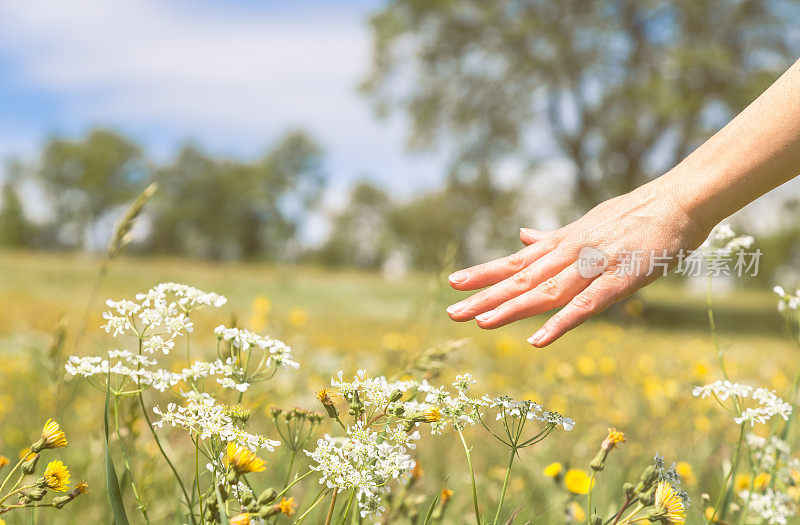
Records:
x=416, y=392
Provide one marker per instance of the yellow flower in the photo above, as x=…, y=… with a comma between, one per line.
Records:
x=552, y=470
x=52, y=437
x=614, y=438
x=56, y=476
x=243, y=461
x=431, y=415
x=686, y=472
x=446, y=495
x=761, y=481
x=298, y=317
x=578, y=481
x=240, y=519
x=742, y=482
x=286, y=506
x=668, y=505
x=576, y=512
x=3, y=461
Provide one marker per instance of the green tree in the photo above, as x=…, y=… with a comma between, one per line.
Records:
x=621, y=89
x=86, y=178
x=231, y=209
x=474, y=215
x=15, y=230
x=360, y=233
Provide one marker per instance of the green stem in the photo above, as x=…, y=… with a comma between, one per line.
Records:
x=589, y=502
x=472, y=477
x=166, y=458
x=126, y=460
x=731, y=472
x=331, y=507
x=505, y=486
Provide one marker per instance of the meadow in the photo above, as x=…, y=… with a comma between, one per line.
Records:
x=633, y=368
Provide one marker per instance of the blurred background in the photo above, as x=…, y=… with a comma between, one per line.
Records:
x=327, y=164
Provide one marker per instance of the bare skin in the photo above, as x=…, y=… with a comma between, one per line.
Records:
x=756, y=152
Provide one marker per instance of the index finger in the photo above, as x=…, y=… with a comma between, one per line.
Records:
x=493, y=272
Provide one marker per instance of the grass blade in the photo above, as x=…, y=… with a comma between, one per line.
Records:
x=112, y=483
x=435, y=501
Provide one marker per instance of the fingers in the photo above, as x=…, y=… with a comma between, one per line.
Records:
x=552, y=293
x=519, y=283
x=495, y=271
x=530, y=236
x=599, y=295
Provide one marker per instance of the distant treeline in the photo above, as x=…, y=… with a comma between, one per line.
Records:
x=219, y=208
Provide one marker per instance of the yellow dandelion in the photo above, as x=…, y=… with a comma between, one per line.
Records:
x=56, y=476
x=553, y=469
x=298, y=317
x=286, y=506
x=240, y=519
x=614, y=438
x=576, y=512
x=446, y=495
x=3, y=461
x=242, y=461
x=668, y=505
x=52, y=437
x=761, y=481
x=431, y=415
x=686, y=472
x=578, y=481
x=741, y=482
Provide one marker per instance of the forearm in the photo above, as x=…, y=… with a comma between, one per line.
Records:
x=756, y=152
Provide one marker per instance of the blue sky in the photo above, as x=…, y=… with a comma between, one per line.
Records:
x=232, y=76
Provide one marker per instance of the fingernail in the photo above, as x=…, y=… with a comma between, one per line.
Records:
x=458, y=277
x=453, y=308
x=485, y=316
x=537, y=337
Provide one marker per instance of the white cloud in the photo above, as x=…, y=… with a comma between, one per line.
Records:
x=232, y=78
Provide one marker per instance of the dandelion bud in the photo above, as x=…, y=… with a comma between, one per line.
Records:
x=397, y=395
x=253, y=508
x=647, y=498
x=628, y=490
x=60, y=501
x=270, y=511
x=247, y=500
x=29, y=467
x=399, y=411
x=646, y=480
x=268, y=496
x=37, y=494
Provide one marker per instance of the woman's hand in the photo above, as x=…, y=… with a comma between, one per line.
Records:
x=585, y=266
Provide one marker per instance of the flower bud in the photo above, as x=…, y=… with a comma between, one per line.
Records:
x=29, y=467
x=397, y=395
x=628, y=490
x=268, y=496
x=37, y=494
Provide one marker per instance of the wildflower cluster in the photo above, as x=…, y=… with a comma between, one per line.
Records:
x=218, y=430
x=30, y=490
x=772, y=492
x=386, y=420
x=769, y=404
